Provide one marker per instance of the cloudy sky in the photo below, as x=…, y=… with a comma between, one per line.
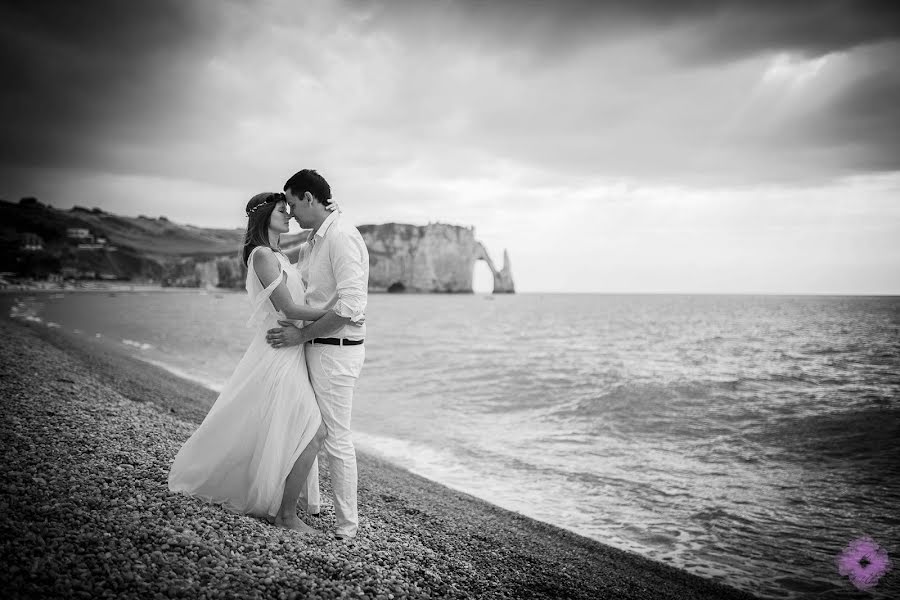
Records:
x=647, y=146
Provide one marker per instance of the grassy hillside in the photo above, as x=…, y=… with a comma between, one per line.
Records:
x=136, y=248
x=139, y=248
x=144, y=235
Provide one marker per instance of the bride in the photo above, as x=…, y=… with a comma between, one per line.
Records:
x=255, y=448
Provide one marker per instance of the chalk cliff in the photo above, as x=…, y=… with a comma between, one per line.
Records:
x=221, y=271
x=503, y=281
x=435, y=258
x=411, y=258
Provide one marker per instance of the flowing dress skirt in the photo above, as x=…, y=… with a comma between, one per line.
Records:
x=249, y=441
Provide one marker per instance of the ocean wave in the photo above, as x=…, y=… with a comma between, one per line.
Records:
x=26, y=310
x=138, y=345
x=215, y=386
x=714, y=513
x=826, y=350
x=645, y=405
x=629, y=397
x=421, y=459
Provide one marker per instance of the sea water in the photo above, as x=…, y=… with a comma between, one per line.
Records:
x=747, y=439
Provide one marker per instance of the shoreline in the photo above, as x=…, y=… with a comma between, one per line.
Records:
x=417, y=537
x=112, y=288
x=151, y=288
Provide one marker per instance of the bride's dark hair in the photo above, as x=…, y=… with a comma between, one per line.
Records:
x=259, y=211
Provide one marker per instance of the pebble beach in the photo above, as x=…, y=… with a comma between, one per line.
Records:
x=87, y=439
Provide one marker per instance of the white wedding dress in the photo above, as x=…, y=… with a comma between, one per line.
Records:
x=264, y=417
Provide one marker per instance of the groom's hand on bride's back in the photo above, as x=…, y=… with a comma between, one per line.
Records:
x=284, y=336
x=288, y=335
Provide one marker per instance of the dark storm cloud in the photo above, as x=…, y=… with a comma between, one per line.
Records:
x=729, y=30
x=79, y=76
x=172, y=88
x=857, y=127
x=568, y=124
x=869, y=112
x=719, y=29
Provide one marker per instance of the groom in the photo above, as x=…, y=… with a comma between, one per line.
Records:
x=334, y=266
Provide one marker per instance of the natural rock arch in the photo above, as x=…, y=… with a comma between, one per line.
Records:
x=503, y=282
x=482, y=277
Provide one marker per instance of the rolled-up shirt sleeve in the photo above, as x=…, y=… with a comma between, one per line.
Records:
x=350, y=258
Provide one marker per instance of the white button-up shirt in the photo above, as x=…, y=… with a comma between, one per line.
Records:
x=334, y=266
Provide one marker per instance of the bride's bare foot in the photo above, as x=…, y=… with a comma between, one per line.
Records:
x=294, y=523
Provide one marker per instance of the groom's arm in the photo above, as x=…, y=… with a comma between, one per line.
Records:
x=321, y=328
x=349, y=260
x=290, y=335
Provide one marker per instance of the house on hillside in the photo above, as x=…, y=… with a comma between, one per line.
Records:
x=79, y=233
x=77, y=273
x=95, y=243
x=32, y=242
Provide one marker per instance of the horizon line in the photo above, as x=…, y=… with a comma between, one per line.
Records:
x=597, y=293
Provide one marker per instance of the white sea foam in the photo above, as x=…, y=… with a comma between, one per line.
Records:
x=423, y=460
x=205, y=382
x=138, y=345
x=446, y=467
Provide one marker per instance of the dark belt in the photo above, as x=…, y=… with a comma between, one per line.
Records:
x=336, y=341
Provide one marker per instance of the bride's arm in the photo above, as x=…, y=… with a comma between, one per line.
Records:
x=268, y=269
x=292, y=251
x=292, y=244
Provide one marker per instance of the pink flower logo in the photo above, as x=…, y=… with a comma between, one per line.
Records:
x=864, y=562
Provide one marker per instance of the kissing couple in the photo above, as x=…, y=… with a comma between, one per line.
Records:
x=291, y=394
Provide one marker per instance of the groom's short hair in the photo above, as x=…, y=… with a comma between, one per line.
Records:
x=308, y=180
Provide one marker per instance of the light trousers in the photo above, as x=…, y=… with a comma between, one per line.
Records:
x=333, y=371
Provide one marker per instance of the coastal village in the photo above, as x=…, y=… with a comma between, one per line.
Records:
x=79, y=239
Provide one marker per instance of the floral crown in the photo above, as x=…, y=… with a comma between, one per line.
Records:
x=274, y=197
